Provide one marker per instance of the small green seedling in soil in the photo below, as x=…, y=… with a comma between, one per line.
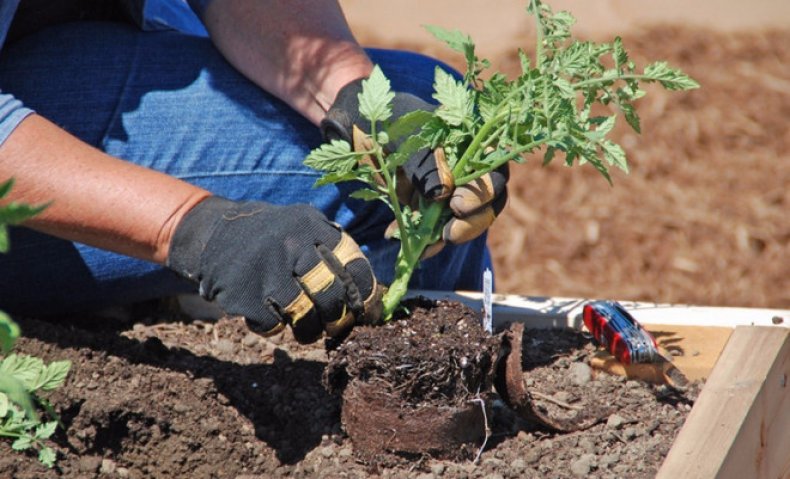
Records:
x=483, y=123
x=13, y=213
x=23, y=378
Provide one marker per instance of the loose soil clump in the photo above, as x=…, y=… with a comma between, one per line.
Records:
x=415, y=386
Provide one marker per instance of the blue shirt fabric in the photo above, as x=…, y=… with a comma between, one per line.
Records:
x=150, y=14
x=12, y=112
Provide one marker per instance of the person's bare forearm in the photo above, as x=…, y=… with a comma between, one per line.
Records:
x=299, y=50
x=95, y=199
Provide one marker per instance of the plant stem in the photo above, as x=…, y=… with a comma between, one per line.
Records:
x=605, y=78
x=412, y=246
x=474, y=145
x=539, y=33
x=409, y=256
x=392, y=193
x=540, y=60
x=460, y=181
x=482, y=133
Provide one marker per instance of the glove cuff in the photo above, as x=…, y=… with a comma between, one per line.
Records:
x=343, y=113
x=192, y=235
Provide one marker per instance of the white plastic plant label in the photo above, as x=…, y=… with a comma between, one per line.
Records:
x=488, y=290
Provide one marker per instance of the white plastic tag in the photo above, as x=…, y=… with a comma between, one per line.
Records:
x=488, y=291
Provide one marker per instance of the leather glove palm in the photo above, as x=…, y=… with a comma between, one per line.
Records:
x=276, y=265
x=426, y=173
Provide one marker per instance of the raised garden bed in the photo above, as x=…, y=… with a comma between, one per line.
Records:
x=149, y=398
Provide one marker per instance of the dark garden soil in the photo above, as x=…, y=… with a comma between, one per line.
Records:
x=161, y=397
x=702, y=218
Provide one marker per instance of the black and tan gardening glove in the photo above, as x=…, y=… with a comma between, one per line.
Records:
x=276, y=266
x=474, y=205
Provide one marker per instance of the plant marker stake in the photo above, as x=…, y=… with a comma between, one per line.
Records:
x=488, y=313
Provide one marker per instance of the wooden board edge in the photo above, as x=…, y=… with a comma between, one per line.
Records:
x=740, y=424
x=557, y=312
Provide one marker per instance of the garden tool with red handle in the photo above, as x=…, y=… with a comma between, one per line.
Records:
x=634, y=349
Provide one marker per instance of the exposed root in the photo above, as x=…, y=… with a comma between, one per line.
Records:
x=546, y=397
x=482, y=403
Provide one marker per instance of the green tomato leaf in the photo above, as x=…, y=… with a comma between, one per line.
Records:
x=24, y=369
x=16, y=392
x=15, y=213
x=366, y=194
x=462, y=43
x=335, y=177
x=405, y=151
x=670, y=78
x=590, y=156
x=604, y=128
x=549, y=155
x=614, y=154
x=376, y=97
x=45, y=430
x=434, y=132
x=456, y=104
x=335, y=156
x=495, y=90
x=565, y=88
x=53, y=375
x=576, y=58
x=524, y=61
x=564, y=20
x=631, y=117
x=9, y=332
x=5, y=187
x=619, y=54
x=408, y=124
x=4, y=243
x=47, y=456
x=454, y=39
x=3, y=405
x=22, y=443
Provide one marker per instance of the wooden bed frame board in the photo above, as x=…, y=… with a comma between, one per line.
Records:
x=555, y=312
x=739, y=426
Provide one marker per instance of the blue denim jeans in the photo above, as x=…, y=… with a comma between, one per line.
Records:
x=170, y=102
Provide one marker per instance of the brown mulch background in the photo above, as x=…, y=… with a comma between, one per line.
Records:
x=704, y=215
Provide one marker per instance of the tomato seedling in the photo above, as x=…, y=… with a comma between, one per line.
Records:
x=23, y=378
x=483, y=123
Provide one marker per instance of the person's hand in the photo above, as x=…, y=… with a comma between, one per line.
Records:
x=276, y=265
x=474, y=205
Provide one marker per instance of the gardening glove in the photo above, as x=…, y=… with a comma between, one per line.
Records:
x=427, y=174
x=276, y=265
